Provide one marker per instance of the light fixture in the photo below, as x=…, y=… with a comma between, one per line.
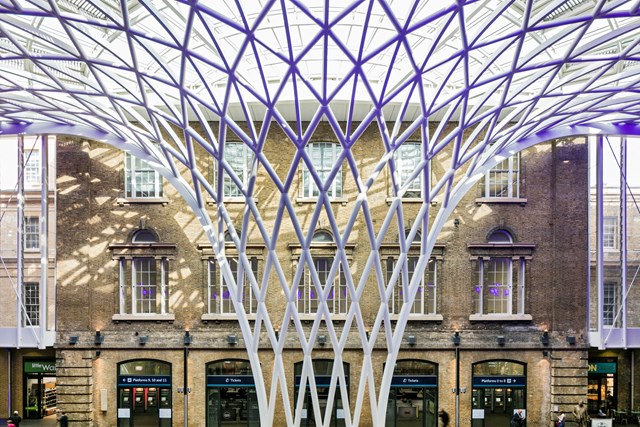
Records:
x=276, y=330
x=232, y=340
x=322, y=339
x=73, y=339
x=99, y=339
x=188, y=339
x=143, y=339
x=411, y=339
x=456, y=222
x=544, y=338
x=456, y=338
x=571, y=340
x=501, y=340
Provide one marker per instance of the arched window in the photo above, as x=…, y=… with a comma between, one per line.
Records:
x=499, y=287
x=143, y=275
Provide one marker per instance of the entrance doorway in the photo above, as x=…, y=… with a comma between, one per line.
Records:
x=144, y=394
x=39, y=399
x=323, y=371
x=499, y=390
x=413, y=397
x=601, y=391
x=231, y=395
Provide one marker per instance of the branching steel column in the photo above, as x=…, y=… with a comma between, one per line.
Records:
x=623, y=237
x=44, y=239
x=20, y=243
x=600, y=236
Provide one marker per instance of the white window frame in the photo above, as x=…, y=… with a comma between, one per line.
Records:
x=505, y=175
x=609, y=232
x=217, y=287
x=338, y=298
x=328, y=154
x=141, y=181
x=32, y=169
x=241, y=162
x=158, y=305
x=406, y=158
x=31, y=301
x=31, y=233
x=609, y=303
x=422, y=306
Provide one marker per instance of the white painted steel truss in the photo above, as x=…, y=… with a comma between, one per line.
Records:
x=139, y=74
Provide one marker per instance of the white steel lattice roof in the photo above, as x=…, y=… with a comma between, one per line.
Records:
x=139, y=74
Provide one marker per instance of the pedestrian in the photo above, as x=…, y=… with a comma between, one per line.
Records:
x=580, y=413
x=517, y=420
x=444, y=417
x=15, y=418
x=64, y=420
x=560, y=422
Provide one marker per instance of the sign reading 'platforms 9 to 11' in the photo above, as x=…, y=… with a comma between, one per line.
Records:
x=489, y=381
x=144, y=380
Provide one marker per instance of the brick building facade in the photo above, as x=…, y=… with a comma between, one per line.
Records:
x=106, y=336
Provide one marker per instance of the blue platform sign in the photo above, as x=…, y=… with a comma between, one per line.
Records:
x=414, y=381
x=144, y=380
x=493, y=381
x=230, y=381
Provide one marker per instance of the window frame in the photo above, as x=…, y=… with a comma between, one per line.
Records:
x=405, y=164
x=127, y=256
x=610, y=298
x=489, y=182
x=243, y=173
x=308, y=185
x=31, y=300
x=610, y=233
x=516, y=256
x=134, y=167
x=32, y=168
x=31, y=229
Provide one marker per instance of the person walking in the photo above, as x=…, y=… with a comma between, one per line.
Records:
x=444, y=417
x=15, y=418
x=580, y=413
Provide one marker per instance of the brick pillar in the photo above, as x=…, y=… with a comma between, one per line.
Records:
x=74, y=385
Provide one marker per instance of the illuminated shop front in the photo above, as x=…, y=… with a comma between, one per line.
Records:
x=40, y=397
x=323, y=370
x=413, y=397
x=144, y=394
x=499, y=389
x=231, y=394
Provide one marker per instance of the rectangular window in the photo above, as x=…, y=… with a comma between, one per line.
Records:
x=609, y=232
x=425, y=299
x=141, y=181
x=324, y=155
x=338, y=296
x=219, y=294
x=149, y=286
x=609, y=304
x=32, y=168
x=406, y=159
x=31, y=300
x=495, y=292
x=32, y=232
x=240, y=158
x=503, y=181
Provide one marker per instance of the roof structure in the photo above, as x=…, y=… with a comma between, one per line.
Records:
x=143, y=75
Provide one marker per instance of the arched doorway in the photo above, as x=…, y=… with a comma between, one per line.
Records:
x=499, y=389
x=144, y=393
x=413, y=397
x=231, y=394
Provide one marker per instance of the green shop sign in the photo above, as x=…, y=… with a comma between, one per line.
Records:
x=602, y=368
x=40, y=366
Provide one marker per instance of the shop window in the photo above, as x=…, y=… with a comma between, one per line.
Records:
x=499, y=288
x=503, y=180
x=31, y=233
x=141, y=180
x=406, y=158
x=31, y=301
x=323, y=157
x=322, y=250
x=143, y=267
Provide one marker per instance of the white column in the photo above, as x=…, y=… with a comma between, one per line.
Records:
x=44, y=238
